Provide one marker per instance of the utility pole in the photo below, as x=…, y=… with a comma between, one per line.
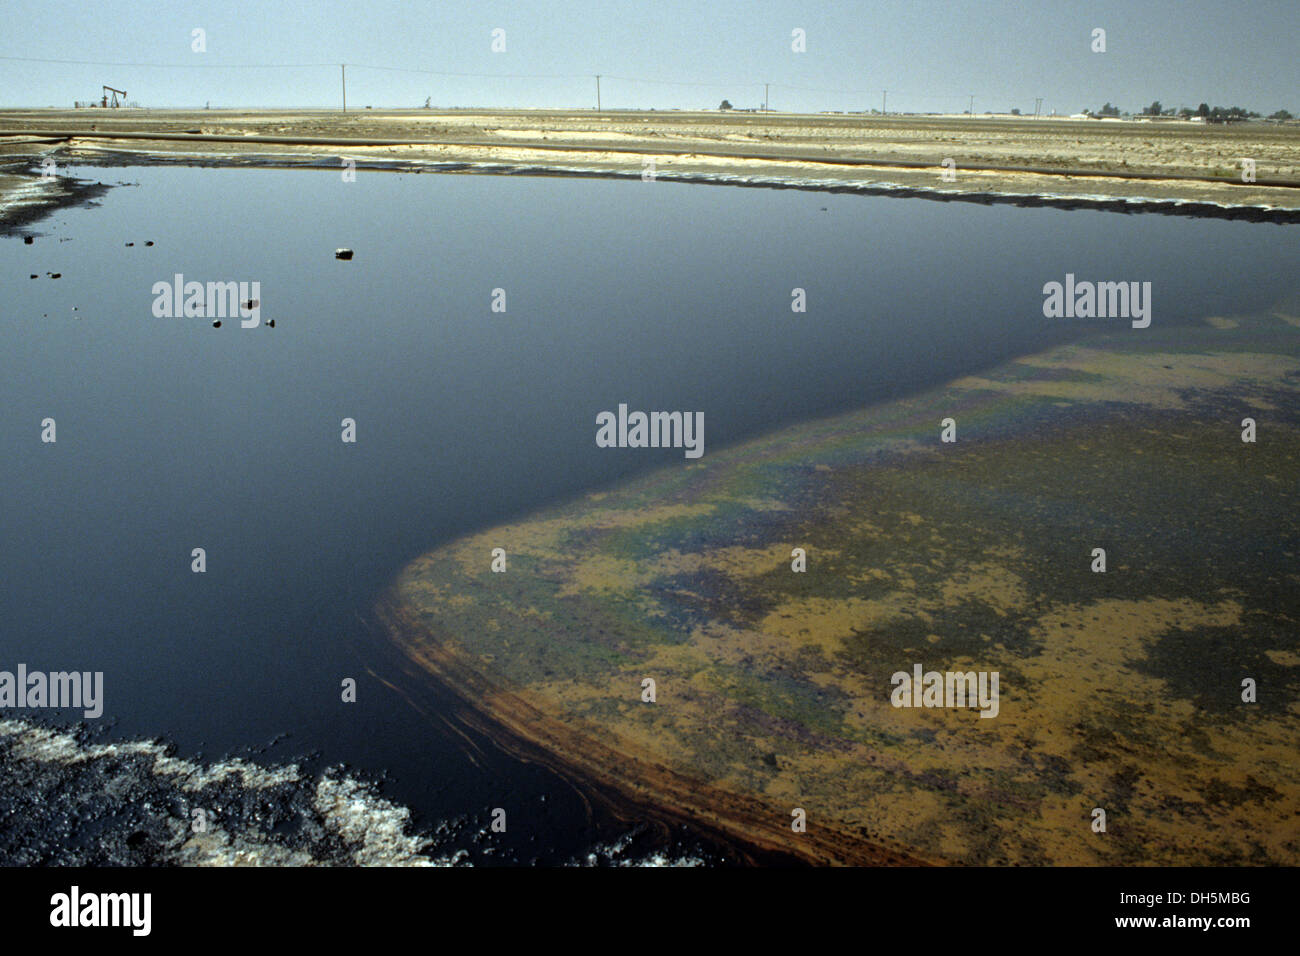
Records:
x=343, y=69
x=1038, y=106
x=884, y=98
x=765, y=86
x=597, y=92
x=971, y=108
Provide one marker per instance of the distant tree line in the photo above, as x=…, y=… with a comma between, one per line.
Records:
x=1216, y=114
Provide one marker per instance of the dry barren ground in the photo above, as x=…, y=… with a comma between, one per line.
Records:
x=1158, y=160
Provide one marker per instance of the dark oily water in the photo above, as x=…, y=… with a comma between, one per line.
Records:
x=174, y=435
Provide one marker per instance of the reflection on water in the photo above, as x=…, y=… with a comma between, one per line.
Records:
x=173, y=435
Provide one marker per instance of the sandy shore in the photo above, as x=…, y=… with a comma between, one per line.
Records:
x=1053, y=160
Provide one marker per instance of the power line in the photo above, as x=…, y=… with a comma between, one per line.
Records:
x=177, y=66
x=814, y=89
x=821, y=89
x=639, y=79
x=295, y=66
x=489, y=76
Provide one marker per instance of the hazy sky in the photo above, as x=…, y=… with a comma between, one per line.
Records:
x=929, y=55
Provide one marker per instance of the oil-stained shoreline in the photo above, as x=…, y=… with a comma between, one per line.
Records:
x=875, y=853
x=26, y=198
x=81, y=796
x=626, y=789
x=1132, y=161
x=76, y=797
x=1164, y=167
x=77, y=191
x=1121, y=690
